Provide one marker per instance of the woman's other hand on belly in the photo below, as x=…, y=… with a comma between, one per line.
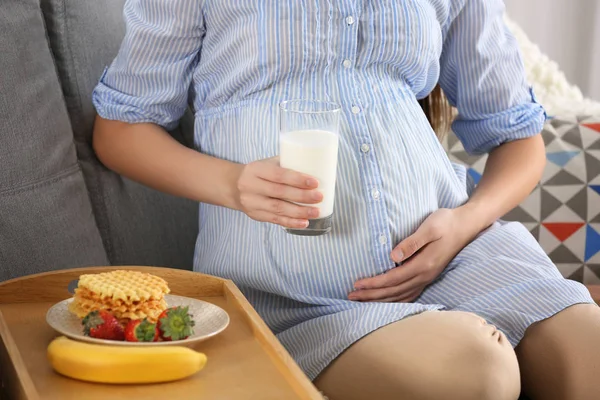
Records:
x=424, y=255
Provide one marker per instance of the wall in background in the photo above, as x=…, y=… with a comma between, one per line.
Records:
x=568, y=31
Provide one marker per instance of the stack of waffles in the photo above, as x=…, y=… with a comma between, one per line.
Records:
x=125, y=294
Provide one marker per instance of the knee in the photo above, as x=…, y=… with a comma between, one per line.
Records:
x=497, y=377
x=494, y=368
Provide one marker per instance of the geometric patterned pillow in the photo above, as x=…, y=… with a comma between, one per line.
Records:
x=563, y=212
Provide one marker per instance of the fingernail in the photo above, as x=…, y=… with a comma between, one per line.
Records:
x=317, y=195
x=302, y=224
x=397, y=256
x=311, y=182
x=352, y=296
x=313, y=213
x=359, y=286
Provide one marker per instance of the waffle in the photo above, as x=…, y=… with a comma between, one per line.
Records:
x=86, y=301
x=125, y=294
x=125, y=285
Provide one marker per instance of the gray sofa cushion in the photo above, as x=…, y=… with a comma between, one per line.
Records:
x=138, y=225
x=48, y=226
x=36, y=140
x=46, y=220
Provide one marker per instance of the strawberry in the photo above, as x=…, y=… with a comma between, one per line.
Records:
x=102, y=325
x=141, y=330
x=175, y=323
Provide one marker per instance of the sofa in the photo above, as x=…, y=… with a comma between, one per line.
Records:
x=60, y=208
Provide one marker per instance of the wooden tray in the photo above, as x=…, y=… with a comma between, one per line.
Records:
x=244, y=362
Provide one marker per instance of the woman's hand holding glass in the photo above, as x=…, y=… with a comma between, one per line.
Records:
x=267, y=192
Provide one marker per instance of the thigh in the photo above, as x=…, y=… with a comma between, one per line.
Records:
x=434, y=355
x=560, y=356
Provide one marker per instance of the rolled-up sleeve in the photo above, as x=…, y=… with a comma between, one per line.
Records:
x=149, y=79
x=482, y=74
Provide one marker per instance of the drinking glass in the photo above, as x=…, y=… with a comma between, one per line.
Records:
x=308, y=143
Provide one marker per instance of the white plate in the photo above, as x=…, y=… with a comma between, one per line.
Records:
x=210, y=320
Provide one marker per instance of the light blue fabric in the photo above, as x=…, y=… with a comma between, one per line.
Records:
x=241, y=58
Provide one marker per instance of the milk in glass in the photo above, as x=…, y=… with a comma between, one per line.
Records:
x=313, y=152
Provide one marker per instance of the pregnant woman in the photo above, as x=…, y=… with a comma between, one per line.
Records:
x=418, y=292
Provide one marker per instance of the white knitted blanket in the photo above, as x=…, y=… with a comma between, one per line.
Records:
x=550, y=85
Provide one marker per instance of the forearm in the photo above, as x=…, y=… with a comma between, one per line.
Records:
x=147, y=154
x=511, y=173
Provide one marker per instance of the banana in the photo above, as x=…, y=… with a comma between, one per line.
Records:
x=122, y=364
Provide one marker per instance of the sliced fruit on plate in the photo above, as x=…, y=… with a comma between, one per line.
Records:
x=122, y=364
x=138, y=330
x=175, y=323
x=102, y=325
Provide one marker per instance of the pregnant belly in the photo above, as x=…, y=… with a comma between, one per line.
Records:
x=323, y=267
x=266, y=258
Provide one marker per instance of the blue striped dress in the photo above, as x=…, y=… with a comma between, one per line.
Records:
x=236, y=60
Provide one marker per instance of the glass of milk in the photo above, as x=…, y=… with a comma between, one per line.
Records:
x=308, y=143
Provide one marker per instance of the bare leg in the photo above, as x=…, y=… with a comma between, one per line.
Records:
x=560, y=356
x=431, y=356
